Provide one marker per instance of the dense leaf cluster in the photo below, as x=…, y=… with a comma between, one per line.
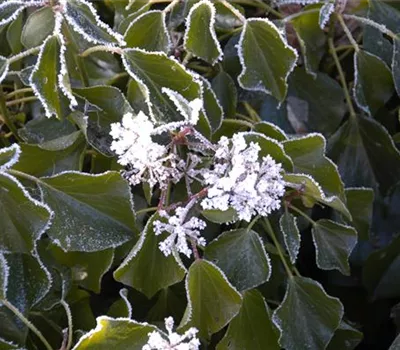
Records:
x=314, y=85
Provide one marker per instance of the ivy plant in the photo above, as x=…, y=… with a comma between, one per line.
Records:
x=197, y=174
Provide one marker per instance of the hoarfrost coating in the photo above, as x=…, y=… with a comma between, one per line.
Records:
x=239, y=180
x=175, y=341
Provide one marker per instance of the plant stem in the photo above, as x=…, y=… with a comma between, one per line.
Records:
x=6, y=117
x=23, y=54
x=24, y=320
x=170, y=6
x=146, y=210
x=101, y=48
x=341, y=74
x=230, y=33
x=234, y=10
x=371, y=23
x=239, y=122
x=21, y=100
x=278, y=247
x=299, y=14
x=18, y=173
x=252, y=112
x=17, y=92
x=348, y=33
x=245, y=117
x=194, y=248
x=70, y=329
x=258, y=4
x=252, y=223
x=302, y=213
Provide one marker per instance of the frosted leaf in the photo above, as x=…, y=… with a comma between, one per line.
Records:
x=10, y=10
x=239, y=180
x=83, y=18
x=172, y=340
x=4, y=66
x=4, y=275
x=299, y=2
x=325, y=14
x=291, y=235
x=9, y=156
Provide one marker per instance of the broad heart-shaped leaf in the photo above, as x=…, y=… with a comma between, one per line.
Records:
x=362, y=148
x=82, y=17
x=27, y=283
x=117, y=334
x=373, y=82
x=220, y=216
x=291, y=235
x=225, y=90
x=312, y=39
x=44, y=79
x=212, y=107
x=270, y=130
x=334, y=243
x=307, y=317
x=320, y=107
x=24, y=219
x=359, y=201
x=200, y=38
x=266, y=58
x=250, y=267
x=312, y=193
x=345, y=338
x=38, y=161
x=155, y=71
x=146, y=268
x=212, y=300
x=38, y=26
x=9, y=156
x=87, y=268
x=252, y=327
x=91, y=212
x=3, y=68
x=122, y=307
x=149, y=32
x=395, y=63
x=308, y=156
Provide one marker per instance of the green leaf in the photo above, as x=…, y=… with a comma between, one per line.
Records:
x=212, y=300
x=91, y=212
x=3, y=68
x=266, y=58
x=212, y=107
x=396, y=344
x=270, y=147
x=44, y=79
x=83, y=18
x=307, y=317
x=334, y=243
x=24, y=219
x=146, y=268
x=38, y=26
x=121, y=307
x=373, y=82
x=359, y=201
x=5, y=345
x=382, y=12
x=396, y=63
x=107, y=105
x=149, y=32
x=312, y=39
x=117, y=334
x=362, y=148
x=27, y=283
x=220, y=216
x=311, y=193
x=250, y=267
x=55, y=156
x=308, y=156
x=381, y=272
x=345, y=338
x=9, y=156
x=87, y=268
x=155, y=71
x=252, y=327
x=320, y=107
x=270, y=130
x=225, y=90
x=200, y=38
x=291, y=235
x=9, y=11
x=14, y=31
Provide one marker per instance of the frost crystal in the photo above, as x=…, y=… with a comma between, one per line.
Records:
x=239, y=180
x=187, y=341
x=180, y=230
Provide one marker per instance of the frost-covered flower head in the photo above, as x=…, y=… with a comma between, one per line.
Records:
x=241, y=181
x=180, y=230
x=174, y=341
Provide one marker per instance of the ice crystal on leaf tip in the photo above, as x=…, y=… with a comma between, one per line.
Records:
x=239, y=180
x=180, y=230
x=175, y=341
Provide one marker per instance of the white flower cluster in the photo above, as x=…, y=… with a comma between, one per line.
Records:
x=239, y=180
x=180, y=230
x=187, y=341
x=149, y=161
